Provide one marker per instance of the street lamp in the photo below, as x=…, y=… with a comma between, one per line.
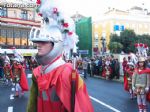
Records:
x=103, y=45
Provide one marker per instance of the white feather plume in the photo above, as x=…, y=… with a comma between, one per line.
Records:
x=53, y=10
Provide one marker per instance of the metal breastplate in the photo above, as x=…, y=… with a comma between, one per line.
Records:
x=7, y=71
x=141, y=80
x=17, y=74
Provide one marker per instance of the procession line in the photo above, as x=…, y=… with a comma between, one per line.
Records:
x=10, y=109
x=104, y=104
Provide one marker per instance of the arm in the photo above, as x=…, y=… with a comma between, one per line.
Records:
x=32, y=103
x=133, y=80
x=147, y=83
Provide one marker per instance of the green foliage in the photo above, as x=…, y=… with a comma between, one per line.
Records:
x=115, y=47
x=114, y=38
x=127, y=39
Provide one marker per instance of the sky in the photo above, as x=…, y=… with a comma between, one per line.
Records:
x=95, y=8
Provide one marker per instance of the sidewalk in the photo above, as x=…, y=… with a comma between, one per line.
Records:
x=121, y=80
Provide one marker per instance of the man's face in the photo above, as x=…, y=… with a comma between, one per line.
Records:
x=141, y=63
x=131, y=67
x=44, y=48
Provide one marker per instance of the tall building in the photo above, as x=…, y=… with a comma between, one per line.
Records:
x=17, y=17
x=115, y=21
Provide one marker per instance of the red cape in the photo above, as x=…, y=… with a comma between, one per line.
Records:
x=23, y=79
x=61, y=78
x=146, y=70
x=129, y=72
x=125, y=83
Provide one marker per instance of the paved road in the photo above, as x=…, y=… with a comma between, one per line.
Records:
x=106, y=96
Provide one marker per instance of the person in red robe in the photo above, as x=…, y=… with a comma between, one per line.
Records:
x=57, y=86
x=124, y=64
x=8, y=72
x=106, y=71
x=51, y=88
x=19, y=78
x=128, y=78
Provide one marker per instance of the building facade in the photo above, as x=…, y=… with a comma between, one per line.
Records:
x=17, y=18
x=115, y=21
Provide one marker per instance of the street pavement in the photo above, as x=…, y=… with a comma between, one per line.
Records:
x=106, y=96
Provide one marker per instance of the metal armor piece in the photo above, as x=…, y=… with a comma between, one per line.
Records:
x=48, y=34
x=140, y=80
x=7, y=72
x=17, y=74
x=140, y=83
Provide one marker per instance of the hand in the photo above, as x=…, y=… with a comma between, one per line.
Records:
x=147, y=89
x=133, y=88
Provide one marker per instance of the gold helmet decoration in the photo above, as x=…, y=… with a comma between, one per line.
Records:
x=141, y=59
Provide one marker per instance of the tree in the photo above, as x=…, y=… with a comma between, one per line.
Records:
x=114, y=38
x=115, y=47
x=127, y=38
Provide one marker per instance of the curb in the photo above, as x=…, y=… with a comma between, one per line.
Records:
x=117, y=80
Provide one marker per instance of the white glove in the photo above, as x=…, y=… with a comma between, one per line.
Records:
x=133, y=88
x=146, y=89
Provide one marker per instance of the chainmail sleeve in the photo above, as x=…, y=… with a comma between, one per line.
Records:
x=32, y=102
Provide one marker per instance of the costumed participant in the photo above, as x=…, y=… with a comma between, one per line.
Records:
x=140, y=84
x=19, y=77
x=33, y=63
x=106, y=71
x=124, y=65
x=56, y=87
x=128, y=79
x=7, y=71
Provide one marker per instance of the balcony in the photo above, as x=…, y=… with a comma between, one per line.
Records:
x=20, y=21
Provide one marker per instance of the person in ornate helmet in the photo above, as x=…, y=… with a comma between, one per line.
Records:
x=7, y=71
x=33, y=64
x=128, y=78
x=56, y=87
x=140, y=84
x=19, y=77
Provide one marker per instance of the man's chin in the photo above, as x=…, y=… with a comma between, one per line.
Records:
x=39, y=55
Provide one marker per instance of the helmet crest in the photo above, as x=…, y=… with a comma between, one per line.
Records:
x=53, y=18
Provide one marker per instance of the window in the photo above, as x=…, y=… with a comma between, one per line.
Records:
x=3, y=12
x=24, y=14
x=3, y=35
x=17, y=34
x=24, y=34
x=9, y=33
x=96, y=45
x=3, y=32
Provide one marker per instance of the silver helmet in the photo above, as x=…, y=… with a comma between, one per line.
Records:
x=48, y=34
